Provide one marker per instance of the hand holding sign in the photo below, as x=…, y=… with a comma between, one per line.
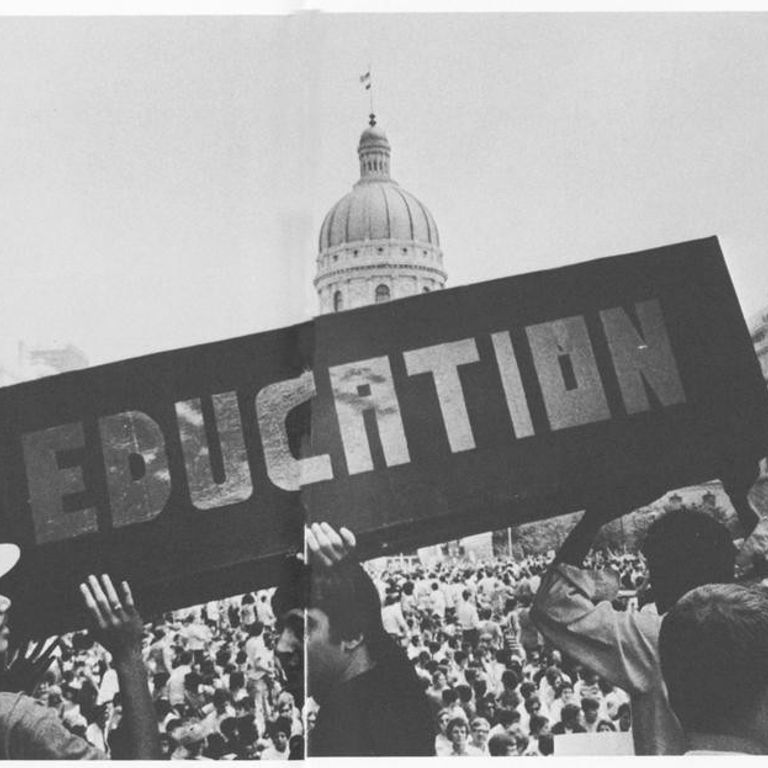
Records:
x=326, y=546
x=119, y=627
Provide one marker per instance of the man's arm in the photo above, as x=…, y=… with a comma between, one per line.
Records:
x=119, y=629
x=737, y=482
x=579, y=541
x=568, y=611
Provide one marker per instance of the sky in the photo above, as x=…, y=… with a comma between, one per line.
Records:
x=163, y=179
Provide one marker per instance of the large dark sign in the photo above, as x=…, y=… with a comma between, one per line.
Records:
x=191, y=472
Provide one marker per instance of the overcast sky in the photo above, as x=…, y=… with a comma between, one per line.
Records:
x=163, y=180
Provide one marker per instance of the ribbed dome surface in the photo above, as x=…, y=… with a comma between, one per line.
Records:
x=378, y=210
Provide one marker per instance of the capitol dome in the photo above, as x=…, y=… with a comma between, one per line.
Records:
x=378, y=242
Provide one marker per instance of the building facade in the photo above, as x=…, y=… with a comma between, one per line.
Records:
x=378, y=242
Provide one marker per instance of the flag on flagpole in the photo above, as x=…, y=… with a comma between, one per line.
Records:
x=366, y=80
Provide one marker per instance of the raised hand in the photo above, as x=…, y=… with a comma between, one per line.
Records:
x=326, y=546
x=117, y=624
x=28, y=665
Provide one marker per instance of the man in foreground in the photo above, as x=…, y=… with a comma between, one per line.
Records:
x=371, y=700
x=684, y=549
x=714, y=654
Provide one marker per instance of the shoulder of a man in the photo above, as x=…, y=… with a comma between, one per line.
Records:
x=30, y=730
x=573, y=610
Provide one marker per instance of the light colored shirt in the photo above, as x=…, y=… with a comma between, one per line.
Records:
x=31, y=731
x=621, y=647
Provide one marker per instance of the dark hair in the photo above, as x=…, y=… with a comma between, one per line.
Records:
x=296, y=747
x=499, y=743
x=529, y=703
x=236, y=680
x=346, y=594
x=509, y=679
x=507, y=717
x=714, y=656
x=464, y=692
x=686, y=548
x=569, y=712
x=453, y=722
x=281, y=725
x=536, y=723
x=546, y=744
x=589, y=703
x=527, y=688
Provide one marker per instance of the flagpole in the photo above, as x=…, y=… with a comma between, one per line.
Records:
x=370, y=90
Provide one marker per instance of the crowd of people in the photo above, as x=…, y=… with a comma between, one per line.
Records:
x=503, y=656
x=217, y=690
x=494, y=686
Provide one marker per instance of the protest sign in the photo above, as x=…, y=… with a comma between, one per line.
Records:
x=191, y=472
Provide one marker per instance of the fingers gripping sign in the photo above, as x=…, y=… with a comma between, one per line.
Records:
x=327, y=546
x=117, y=624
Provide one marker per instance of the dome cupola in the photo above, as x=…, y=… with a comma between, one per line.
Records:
x=379, y=241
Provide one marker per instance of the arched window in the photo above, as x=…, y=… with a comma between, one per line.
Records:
x=382, y=293
x=338, y=301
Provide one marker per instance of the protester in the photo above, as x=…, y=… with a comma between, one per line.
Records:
x=714, y=654
x=370, y=699
x=684, y=548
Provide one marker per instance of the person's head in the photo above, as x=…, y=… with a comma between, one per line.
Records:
x=221, y=699
x=533, y=705
x=236, y=681
x=464, y=692
x=508, y=719
x=686, y=548
x=624, y=717
x=509, y=680
x=538, y=724
x=546, y=744
x=344, y=624
x=480, y=728
x=288, y=602
x=281, y=733
x=443, y=718
x=605, y=726
x=456, y=730
x=713, y=646
x=590, y=708
x=502, y=745
x=192, y=682
x=564, y=691
x=569, y=715
x=553, y=676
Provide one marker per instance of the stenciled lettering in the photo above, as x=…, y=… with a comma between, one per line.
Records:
x=273, y=404
x=48, y=485
x=443, y=361
x=647, y=358
x=567, y=371
x=512, y=384
x=136, y=464
x=235, y=485
x=362, y=386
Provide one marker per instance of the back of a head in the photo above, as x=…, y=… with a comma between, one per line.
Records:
x=500, y=743
x=714, y=656
x=686, y=548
